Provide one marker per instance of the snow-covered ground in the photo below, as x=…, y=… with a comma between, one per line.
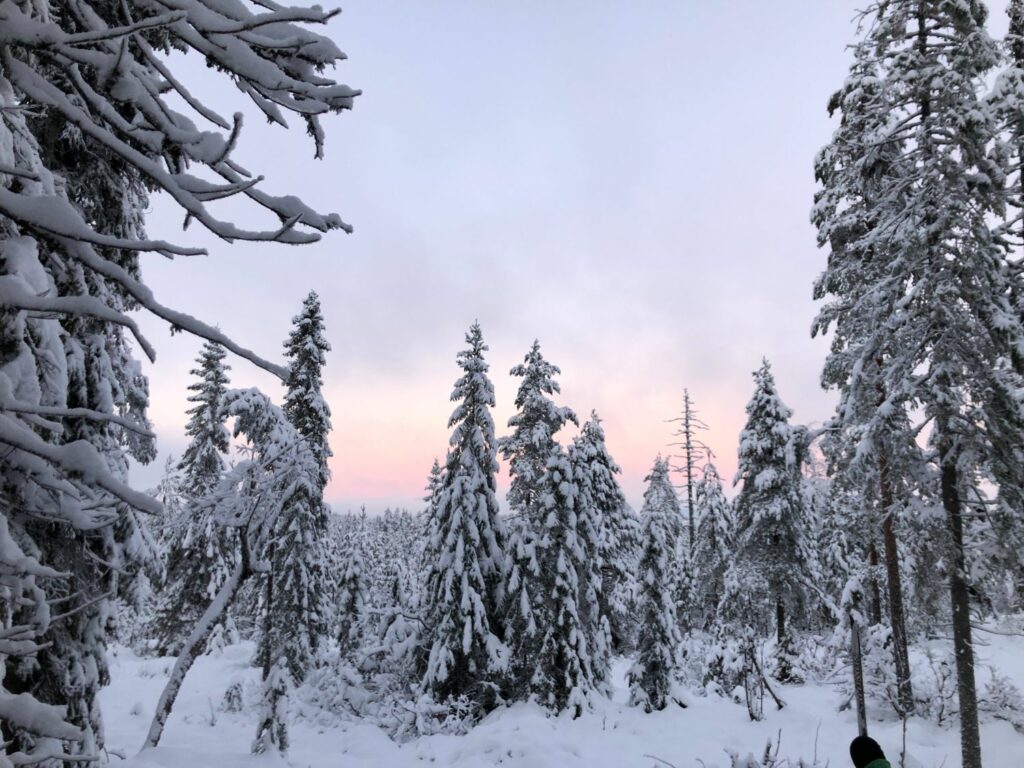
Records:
x=200, y=735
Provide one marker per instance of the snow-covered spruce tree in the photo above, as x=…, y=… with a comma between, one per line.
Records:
x=81, y=148
x=568, y=628
x=651, y=676
x=352, y=601
x=955, y=342
x=203, y=554
x=534, y=426
x=435, y=482
x=1007, y=99
x=306, y=350
x=272, y=731
x=524, y=606
x=71, y=382
x=661, y=494
x=203, y=459
x=768, y=510
x=170, y=492
x=29, y=726
x=399, y=630
x=528, y=450
x=870, y=442
x=712, y=545
x=295, y=624
x=250, y=498
x=617, y=549
x=466, y=557
x=843, y=533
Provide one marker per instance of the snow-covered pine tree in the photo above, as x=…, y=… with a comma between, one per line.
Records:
x=79, y=151
x=954, y=345
x=652, y=675
x=661, y=494
x=768, y=510
x=612, y=558
x=562, y=677
x=712, y=545
x=463, y=592
x=1005, y=100
x=398, y=635
x=618, y=531
x=870, y=446
x=534, y=426
x=203, y=459
x=524, y=606
x=204, y=553
x=306, y=351
x=352, y=601
x=435, y=482
x=295, y=624
x=170, y=492
x=29, y=726
x=1006, y=547
x=91, y=390
x=249, y=498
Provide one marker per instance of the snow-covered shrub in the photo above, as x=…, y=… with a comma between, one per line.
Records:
x=723, y=664
x=223, y=635
x=234, y=697
x=818, y=657
x=935, y=692
x=456, y=715
x=786, y=660
x=1002, y=700
x=272, y=732
x=335, y=691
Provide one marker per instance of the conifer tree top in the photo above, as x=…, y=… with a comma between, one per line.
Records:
x=765, y=440
x=306, y=349
x=471, y=421
x=202, y=460
x=535, y=423
x=659, y=496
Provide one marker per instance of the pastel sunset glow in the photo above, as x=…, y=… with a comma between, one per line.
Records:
x=612, y=179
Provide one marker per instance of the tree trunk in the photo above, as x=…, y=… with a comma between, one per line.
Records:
x=875, y=607
x=963, y=647
x=689, y=470
x=897, y=618
x=192, y=648
x=268, y=616
x=858, y=676
x=780, y=620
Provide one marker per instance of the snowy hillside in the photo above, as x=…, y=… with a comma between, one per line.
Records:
x=615, y=735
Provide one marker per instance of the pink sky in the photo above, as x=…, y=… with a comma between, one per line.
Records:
x=628, y=182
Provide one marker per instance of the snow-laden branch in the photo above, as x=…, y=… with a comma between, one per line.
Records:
x=14, y=295
x=178, y=320
x=74, y=413
x=78, y=459
x=23, y=711
x=18, y=28
x=53, y=215
x=42, y=91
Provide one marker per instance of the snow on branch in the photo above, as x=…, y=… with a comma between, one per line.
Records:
x=53, y=215
x=14, y=295
x=78, y=459
x=179, y=321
